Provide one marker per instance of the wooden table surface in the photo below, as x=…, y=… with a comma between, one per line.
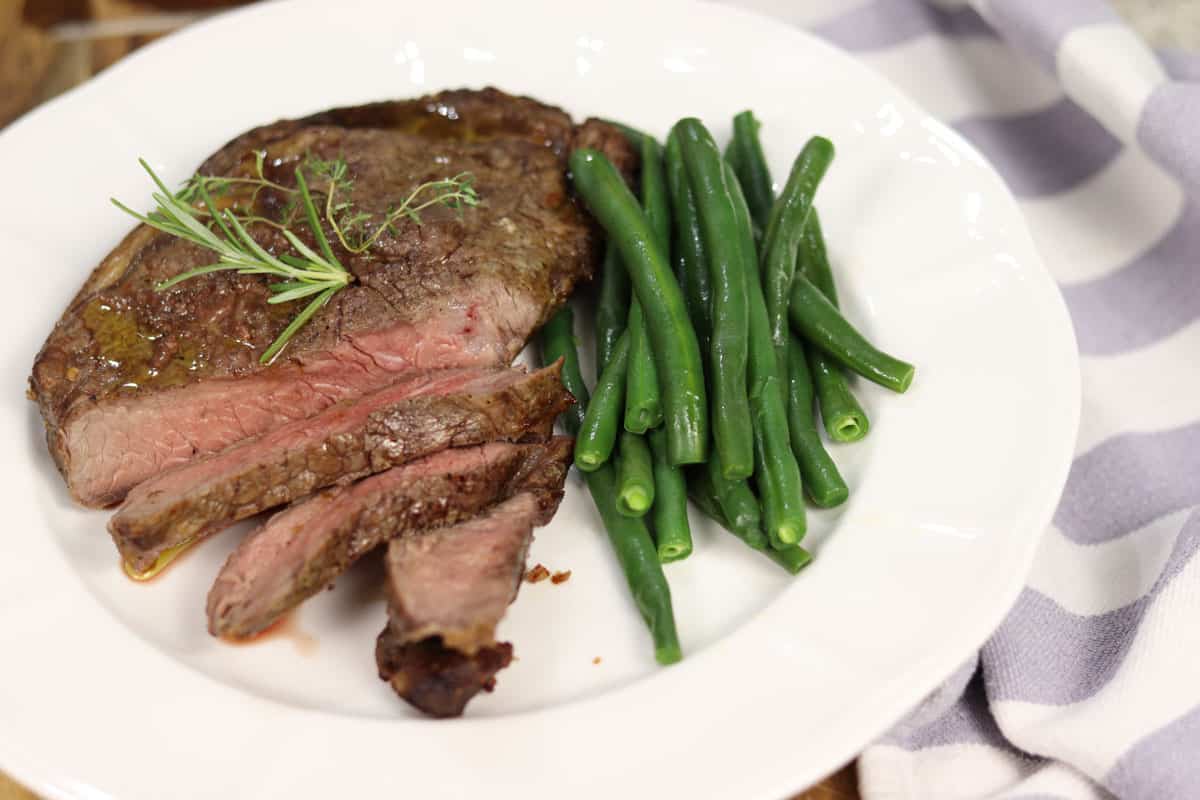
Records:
x=46, y=47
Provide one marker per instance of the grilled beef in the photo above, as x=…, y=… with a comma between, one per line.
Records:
x=304, y=548
x=425, y=413
x=436, y=679
x=133, y=381
x=447, y=590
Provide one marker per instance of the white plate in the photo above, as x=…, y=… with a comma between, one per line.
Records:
x=111, y=689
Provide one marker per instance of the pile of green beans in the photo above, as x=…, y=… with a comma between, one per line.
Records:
x=718, y=336
x=630, y=540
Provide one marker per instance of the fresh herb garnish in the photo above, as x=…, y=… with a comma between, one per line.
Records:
x=191, y=214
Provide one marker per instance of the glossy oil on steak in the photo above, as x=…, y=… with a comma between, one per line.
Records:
x=447, y=590
x=421, y=414
x=133, y=381
x=301, y=550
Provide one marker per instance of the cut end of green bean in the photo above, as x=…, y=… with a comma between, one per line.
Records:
x=668, y=654
x=641, y=420
x=847, y=428
x=828, y=498
x=904, y=378
x=680, y=457
x=673, y=552
x=788, y=534
x=588, y=462
x=634, y=502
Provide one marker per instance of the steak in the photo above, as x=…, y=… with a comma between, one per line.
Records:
x=422, y=414
x=301, y=550
x=133, y=381
x=447, y=590
x=438, y=680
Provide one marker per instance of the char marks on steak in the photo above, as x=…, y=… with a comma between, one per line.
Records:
x=304, y=548
x=422, y=414
x=447, y=590
x=133, y=381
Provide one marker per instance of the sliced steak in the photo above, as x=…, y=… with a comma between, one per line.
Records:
x=133, y=381
x=447, y=590
x=427, y=412
x=301, y=550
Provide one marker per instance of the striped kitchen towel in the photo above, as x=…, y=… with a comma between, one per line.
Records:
x=1091, y=686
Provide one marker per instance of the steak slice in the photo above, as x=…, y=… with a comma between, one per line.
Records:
x=447, y=590
x=438, y=680
x=301, y=550
x=133, y=381
x=426, y=412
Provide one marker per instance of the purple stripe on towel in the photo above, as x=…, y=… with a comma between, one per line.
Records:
x=1169, y=130
x=1044, y=151
x=936, y=704
x=1162, y=764
x=885, y=23
x=966, y=722
x=1038, y=26
x=1101, y=500
x=1181, y=65
x=1044, y=654
x=1148, y=299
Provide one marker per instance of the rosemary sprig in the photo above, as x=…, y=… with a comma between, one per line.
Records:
x=191, y=214
x=453, y=192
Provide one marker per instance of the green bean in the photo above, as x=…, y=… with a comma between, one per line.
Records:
x=745, y=153
x=655, y=200
x=676, y=351
x=598, y=432
x=738, y=504
x=612, y=305
x=785, y=233
x=691, y=261
x=629, y=537
x=558, y=341
x=793, y=558
x=844, y=418
x=842, y=415
x=672, y=533
x=821, y=477
x=701, y=491
x=643, y=401
x=726, y=251
x=819, y=322
x=635, y=475
x=777, y=474
x=814, y=259
x=638, y=558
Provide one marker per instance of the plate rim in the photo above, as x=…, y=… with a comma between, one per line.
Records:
x=933, y=668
